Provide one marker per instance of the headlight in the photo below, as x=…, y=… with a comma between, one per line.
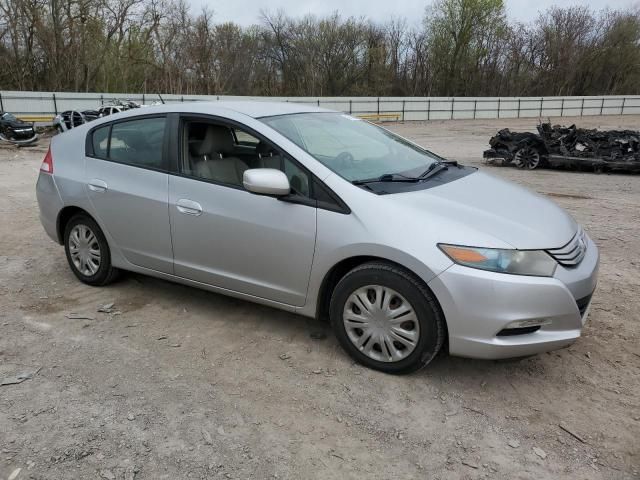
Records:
x=517, y=262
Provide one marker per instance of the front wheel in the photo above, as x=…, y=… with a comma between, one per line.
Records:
x=386, y=319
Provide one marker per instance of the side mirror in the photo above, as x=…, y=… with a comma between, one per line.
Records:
x=266, y=181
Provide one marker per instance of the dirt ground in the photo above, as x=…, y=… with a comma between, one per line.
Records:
x=180, y=383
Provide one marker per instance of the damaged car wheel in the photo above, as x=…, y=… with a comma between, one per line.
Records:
x=527, y=157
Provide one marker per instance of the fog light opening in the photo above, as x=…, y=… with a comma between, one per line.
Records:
x=522, y=327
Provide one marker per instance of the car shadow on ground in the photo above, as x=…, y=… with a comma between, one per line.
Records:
x=310, y=331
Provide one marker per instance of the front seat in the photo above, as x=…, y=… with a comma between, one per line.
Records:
x=212, y=158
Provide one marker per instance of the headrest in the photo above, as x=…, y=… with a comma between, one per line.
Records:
x=264, y=150
x=217, y=139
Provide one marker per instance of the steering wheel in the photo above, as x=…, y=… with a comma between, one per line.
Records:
x=344, y=160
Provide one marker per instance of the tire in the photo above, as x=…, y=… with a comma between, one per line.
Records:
x=371, y=285
x=82, y=239
x=528, y=158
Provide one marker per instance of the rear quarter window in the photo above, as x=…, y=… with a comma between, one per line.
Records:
x=100, y=141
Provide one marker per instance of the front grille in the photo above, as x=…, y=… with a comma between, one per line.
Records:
x=583, y=303
x=573, y=252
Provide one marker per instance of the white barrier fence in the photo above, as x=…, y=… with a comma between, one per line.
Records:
x=395, y=108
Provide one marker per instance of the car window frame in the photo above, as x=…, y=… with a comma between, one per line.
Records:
x=165, y=163
x=178, y=122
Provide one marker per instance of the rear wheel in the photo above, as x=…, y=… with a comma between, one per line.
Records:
x=87, y=251
x=386, y=319
x=527, y=157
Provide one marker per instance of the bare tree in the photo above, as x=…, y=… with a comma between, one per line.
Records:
x=463, y=47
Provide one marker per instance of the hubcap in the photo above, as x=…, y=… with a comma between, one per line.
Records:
x=381, y=323
x=84, y=250
x=527, y=157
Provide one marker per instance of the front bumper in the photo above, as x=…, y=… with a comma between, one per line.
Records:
x=478, y=305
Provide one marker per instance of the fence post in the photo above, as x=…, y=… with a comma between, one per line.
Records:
x=601, y=105
x=623, y=102
x=143, y=98
x=182, y=98
x=403, y=110
x=318, y=102
x=101, y=99
x=518, y=108
x=350, y=106
x=499, y=101
x=475, y=106
x=378, y=105
x=1, y=104
x=582, y=107
x=429, y=109
x=541, y=102
x=55, y=104
x=562, y=108
x=453, y=102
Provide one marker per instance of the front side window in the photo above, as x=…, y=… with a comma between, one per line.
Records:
x=354, y=149
x=134, y=142
x=221, y=154
x=298, y=178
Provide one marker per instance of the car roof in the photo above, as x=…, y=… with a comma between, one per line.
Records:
x=257, y=109
x=251, y=108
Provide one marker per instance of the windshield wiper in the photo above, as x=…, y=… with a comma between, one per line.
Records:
x=388, y=177
x=433, y=169
x=436, y=168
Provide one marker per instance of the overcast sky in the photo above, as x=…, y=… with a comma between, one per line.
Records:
x=246, y=12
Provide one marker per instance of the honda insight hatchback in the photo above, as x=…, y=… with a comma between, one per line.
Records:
x=322, y=214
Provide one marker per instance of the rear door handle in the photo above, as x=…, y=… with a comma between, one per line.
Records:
x=97, y=185
x=189, y=207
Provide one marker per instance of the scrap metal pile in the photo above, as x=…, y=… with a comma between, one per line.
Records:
x=571, y=147
x=73, y=118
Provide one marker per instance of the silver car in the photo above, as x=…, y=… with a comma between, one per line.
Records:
x=322, y=214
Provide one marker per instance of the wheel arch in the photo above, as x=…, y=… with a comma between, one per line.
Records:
x=340, y=269
x=66, y=214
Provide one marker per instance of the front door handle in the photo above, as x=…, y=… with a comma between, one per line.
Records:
x=97, y=185
x=189, y=207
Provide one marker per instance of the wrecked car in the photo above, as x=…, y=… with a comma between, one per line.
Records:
x=117, y=107
x=571, y=147
x=72, y=118
x=106, y=110
x=16, y=131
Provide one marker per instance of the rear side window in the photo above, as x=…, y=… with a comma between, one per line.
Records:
x=101, y=142
x=135, y=142
x=138, y=142
x=244, y=138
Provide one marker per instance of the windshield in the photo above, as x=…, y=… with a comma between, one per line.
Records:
x=9, y=117
x=354, y=149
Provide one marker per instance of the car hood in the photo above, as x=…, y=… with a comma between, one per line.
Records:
x=481, y=207
x=16, y=124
